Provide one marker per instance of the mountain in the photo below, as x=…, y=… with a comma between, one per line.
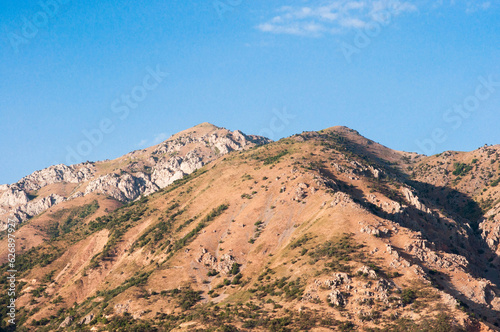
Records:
x=320, y=231
x=125, y=179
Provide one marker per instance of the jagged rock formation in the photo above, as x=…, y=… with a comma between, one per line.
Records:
x=56, y=174
x=13, y=196
x=221, y=265
x=140, y=172
x=125, y=187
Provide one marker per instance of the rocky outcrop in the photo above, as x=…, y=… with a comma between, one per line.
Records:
x=87, y=319
x=342, y=199
x=339, y=279
x=327, y=183
x=122, y=308
x=423, y=250
x=226, y=263
x=32, y=208
x=490, y=228
x=13, y=196
x=56, y=174
x=300, y=192
x=124, y=187
x=384, y=285
x=38, y=206
x=19, y=205
x=222, y=265
x=167, y=171
x=67, y=322
x=375, y=231
x=142, y=172
x=367, y=272
x=185, y=154
x=337, y=298
x=207, y=259
x=414, y=200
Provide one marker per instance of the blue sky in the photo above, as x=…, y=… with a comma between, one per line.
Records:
x=94, y=80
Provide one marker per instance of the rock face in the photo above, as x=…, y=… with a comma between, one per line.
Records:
x=87, y=319
x=201, y=149
x=138, y=173
x=366, y=271
x=36, y=207
x=124, y=187
x=174, y=168
x=223, y=265
x=31, y=208
x=67, y=322
x=13, y=196
x=56, y=174
x=414, y=200
x=337, y=298
x=490, y=228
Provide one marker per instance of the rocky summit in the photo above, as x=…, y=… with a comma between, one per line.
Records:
x=125, y=179
x=214, y=230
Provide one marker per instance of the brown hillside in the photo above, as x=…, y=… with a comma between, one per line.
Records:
x=320, y=231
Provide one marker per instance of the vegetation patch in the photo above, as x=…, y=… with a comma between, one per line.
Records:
x=186, y=297
x=140, y=279
x=274, y=159
x=289, y=290
x=301, y=241
x=461, y=169
x=337, y=253
x=202, y=224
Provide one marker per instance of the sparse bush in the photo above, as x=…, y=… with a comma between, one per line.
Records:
x=408, y=296
x=461, y=169
x=275, y=158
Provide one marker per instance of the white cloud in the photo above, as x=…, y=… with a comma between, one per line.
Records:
x=142, y=143
x=467, y=5
x=156, y=140
x=340, y=16
x=160, y=138
x=333, y=17
x=473, y=7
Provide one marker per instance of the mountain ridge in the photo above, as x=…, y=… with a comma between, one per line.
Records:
x=319, y=231
x=15, y=198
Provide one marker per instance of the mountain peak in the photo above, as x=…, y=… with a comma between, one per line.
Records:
x=206, y=125
x=126, y=178
x=200, y=129
x=341, y=129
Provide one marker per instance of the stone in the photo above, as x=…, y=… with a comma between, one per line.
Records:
x=67, y=322
x=366, y=271
x=87, y=319
x=337, y=298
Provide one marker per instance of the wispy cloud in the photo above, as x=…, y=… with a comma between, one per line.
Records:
x=143, y=143
x=160, y=138
x=340, y=16
x=156, y=140
x=469, y=6
x=333, y=17
x=473, y=7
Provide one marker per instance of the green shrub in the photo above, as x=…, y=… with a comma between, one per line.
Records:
x=408, y=296
x=461, y=169
x=301, y=241
x=235, y=269
x=275, y=158
x=209, y=217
